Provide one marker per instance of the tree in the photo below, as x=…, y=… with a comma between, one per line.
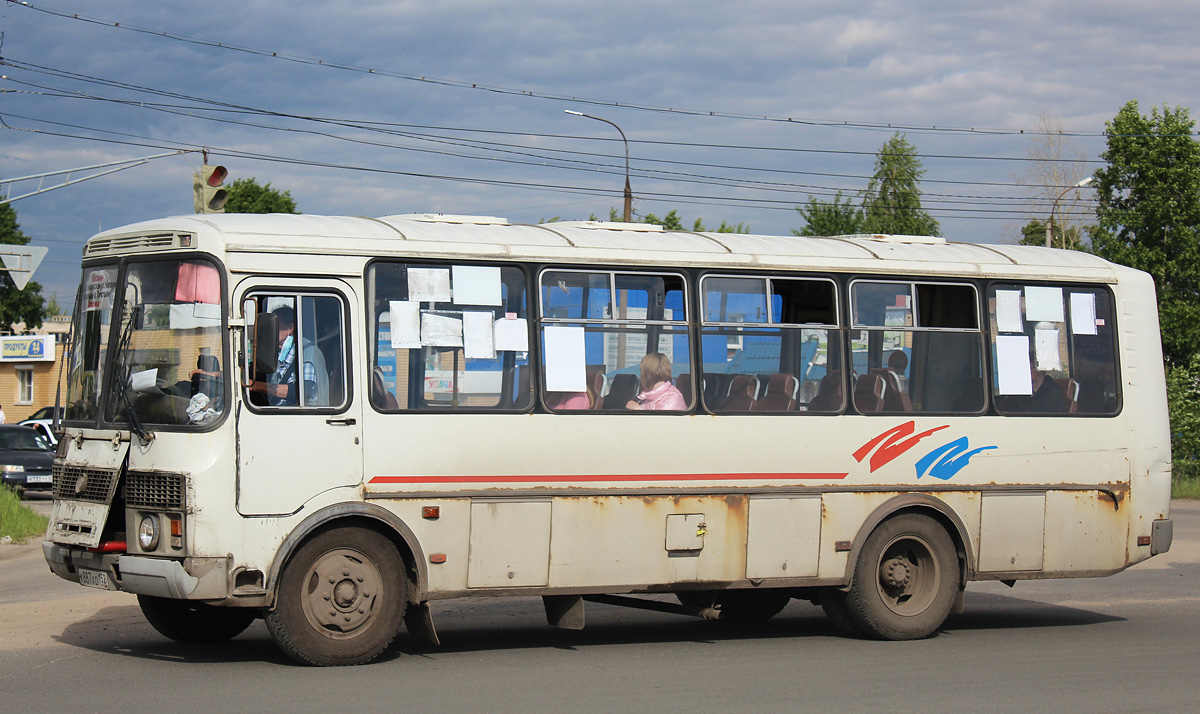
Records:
x=1069, y=237
x=1149, y=215
x=17, y=305
x=246, y=196
x=830, y=218
x=892, y=201
x=1056, y=164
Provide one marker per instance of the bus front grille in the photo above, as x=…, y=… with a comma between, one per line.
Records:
x=79, y=483
x=155, y=490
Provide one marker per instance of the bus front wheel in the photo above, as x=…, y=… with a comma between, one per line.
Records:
x=341, y=598
x=905, y=580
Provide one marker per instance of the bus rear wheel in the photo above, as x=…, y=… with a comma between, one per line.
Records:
x=189, y=621
x=905, y=580
x=341, y=598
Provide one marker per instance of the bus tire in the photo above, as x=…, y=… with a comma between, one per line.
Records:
x=833, y=602
x=905, y=580
x=341, y=598
x=190, y=621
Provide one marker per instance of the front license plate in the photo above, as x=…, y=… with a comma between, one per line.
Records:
x=38, y=478
x=95, y=579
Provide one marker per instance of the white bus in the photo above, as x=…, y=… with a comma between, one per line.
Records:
x=331, y=423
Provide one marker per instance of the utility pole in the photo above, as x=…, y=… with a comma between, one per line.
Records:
x=628, y=191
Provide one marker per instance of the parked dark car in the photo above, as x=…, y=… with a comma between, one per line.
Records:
x=25, y=459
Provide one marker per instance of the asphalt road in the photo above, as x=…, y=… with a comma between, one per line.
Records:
x=1128, y=643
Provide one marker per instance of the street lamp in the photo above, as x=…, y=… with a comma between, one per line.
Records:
x=628, y=192
x=1054, y=208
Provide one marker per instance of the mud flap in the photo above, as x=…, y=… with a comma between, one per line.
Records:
x=565, y=611
x=419, y=621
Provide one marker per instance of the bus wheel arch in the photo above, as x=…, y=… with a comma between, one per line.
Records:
x=923, y=504
x=356, y=515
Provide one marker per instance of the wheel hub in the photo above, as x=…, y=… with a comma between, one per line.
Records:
x=342, y=591
x=896, y=572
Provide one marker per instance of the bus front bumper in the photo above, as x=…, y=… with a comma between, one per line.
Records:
x=186, y=579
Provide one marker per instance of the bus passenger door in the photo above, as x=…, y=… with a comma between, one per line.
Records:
x=299, y=420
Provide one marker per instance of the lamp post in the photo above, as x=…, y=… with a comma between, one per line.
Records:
x=628, y=192
x=1054, y=208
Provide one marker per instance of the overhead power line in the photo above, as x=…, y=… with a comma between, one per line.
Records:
x=496, y=89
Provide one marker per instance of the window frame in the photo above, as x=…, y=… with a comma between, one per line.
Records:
x=296, y=293
x=371, y=297
x=990, y=289
x=980, y=330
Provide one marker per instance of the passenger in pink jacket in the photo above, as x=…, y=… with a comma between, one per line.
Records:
x=658, y=393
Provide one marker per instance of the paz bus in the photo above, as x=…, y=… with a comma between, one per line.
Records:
x=332, y=423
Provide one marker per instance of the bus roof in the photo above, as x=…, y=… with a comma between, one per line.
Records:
x=484, y=237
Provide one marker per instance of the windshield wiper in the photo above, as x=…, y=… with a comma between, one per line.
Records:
x=123, y=378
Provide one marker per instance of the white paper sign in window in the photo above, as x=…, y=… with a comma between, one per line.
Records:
x=1083, y=313
x=1008, y=311
x=405, y=317
x=1012, y=365
x=1043, y=304
x=441, y=331
x=429, y=284
x=1046, y=350
x=566, y=365
x=512, y=335
x=476, y=285
x=477, y=335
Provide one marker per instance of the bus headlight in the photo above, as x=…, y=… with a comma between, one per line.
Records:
x=148, y=533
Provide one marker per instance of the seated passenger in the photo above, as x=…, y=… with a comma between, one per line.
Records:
x=658, y=393
x=567, y=401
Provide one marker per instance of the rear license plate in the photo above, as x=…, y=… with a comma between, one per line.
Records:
x=94, y=579
x=38, y=478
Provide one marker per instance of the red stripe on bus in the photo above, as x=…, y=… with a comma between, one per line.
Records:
x=605, y=477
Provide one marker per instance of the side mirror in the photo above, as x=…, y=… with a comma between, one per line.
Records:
x=266, y=338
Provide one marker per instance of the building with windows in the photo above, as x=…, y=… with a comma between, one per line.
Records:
x=30, y=364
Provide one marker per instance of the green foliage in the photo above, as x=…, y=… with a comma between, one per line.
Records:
x=892, y=201
x=891, y=204
x=1183, y=397
x=1034, y=233
x=17, y=305
x=669, y=222
x=836, y=218
x=246, y=196
x=1149, y=215
x=17, y=520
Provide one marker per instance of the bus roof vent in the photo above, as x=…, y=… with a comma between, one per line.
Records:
x=886, y=238
x=119, y=244
x=608, y=226
x=444, y=218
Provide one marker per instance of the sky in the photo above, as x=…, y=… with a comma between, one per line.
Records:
x=733, y=112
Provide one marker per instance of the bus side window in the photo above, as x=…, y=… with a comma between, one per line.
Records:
x=448, y=337
x=1053, y=350
x=305, y=339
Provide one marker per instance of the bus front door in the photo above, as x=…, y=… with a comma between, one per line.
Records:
x=299, y=423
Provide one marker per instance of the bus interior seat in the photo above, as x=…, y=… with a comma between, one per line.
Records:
x=381, y=396
x=1070, y=391
x=829, y=393
x=869, y=391
x=780, y=394
x=743, y=394
x=622, y=389
x=894, y=399
x=597, y=383
x=684, y=384
x=207, y=383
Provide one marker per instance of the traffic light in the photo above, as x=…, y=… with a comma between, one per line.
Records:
x=207, y=191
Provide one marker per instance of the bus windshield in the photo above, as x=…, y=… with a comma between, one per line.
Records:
x=163, y=367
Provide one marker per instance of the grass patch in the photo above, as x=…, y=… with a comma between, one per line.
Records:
x=1185, y=479
x=17, y=520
